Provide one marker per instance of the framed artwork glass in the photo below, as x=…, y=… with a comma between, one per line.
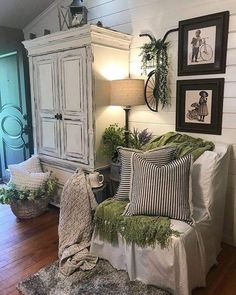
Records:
x=199, y=105
x=203, y=44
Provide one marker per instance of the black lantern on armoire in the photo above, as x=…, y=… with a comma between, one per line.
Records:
x=79, y=13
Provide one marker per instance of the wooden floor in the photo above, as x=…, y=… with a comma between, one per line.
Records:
x=27, y=246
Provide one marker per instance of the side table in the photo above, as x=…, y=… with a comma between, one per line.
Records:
x=114, y=177
x=101, y=193
x=114, y=183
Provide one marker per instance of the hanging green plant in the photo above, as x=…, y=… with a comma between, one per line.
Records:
x=156, y=51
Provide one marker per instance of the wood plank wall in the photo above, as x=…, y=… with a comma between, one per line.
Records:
x=156, y=17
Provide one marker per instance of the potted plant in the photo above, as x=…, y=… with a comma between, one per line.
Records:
x=138, y=139
x=26, y=203
x=156, y=52
x=113, y=137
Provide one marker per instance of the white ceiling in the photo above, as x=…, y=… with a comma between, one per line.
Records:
x=19, y=13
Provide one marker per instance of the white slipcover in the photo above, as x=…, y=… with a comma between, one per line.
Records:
x=184, y=264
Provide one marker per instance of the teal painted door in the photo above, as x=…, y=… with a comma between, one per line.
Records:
x=15, y=116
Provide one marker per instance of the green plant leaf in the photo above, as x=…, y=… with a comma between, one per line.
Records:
x=156, y=50
x=10, y=193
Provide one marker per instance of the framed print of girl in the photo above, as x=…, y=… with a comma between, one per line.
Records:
x=199, y=110
x=199, y=105
x=203, y=110
x=203, y=44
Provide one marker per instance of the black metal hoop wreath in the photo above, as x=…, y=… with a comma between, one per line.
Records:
x=152, y=83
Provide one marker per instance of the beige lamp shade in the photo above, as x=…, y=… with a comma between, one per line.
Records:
x=127, y=92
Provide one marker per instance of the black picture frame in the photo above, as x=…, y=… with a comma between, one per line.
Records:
x=210, y=44
x=188, y=114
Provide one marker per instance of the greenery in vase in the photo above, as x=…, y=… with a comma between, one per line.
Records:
x=137, y=139
x=114, y=136
x=156, y=50
x=10, y=193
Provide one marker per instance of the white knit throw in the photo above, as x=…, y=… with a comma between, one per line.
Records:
x=75, y=225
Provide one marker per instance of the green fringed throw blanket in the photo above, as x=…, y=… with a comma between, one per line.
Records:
x=142, y=230
x=185, y=144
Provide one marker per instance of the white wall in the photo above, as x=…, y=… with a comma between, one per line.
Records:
x=158, y=16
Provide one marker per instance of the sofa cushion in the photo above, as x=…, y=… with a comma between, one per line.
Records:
x=159, y=157
x=31, y=181
x=141, y=230
x=161, y=191
x=203, y=173
x=30, y=165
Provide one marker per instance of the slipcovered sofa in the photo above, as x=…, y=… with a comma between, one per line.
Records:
x=184, y=264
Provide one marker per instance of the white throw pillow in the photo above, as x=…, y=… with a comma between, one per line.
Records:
x=30, y=165
x=31, y=181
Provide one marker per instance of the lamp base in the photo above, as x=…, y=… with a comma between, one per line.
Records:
x=127, y=110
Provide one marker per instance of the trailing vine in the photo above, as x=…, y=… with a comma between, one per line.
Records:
x=156, y=51
x=10, y=193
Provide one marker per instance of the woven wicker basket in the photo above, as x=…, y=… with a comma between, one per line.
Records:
x=25, y=209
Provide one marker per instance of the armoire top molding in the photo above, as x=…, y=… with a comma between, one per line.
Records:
x=78, y=37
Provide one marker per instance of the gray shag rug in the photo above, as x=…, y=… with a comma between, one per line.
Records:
x=102, y=280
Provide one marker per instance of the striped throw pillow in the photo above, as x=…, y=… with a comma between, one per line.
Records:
x=160, y=156
x=160, y=191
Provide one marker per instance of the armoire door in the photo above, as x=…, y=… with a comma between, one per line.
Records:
x=47, y=105
x=74, y=105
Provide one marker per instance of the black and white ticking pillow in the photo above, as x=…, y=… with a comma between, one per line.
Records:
x=160, y=156
x=160, y=191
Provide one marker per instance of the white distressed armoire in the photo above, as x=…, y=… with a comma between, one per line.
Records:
x=69, y=74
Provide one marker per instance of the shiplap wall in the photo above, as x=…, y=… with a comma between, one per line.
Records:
x=156, y=17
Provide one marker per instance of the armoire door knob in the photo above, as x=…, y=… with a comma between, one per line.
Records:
x=56, y=116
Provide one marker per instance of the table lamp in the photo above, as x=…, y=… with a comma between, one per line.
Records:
x=127, y=93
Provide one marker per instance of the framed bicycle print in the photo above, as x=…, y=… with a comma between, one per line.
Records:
x=203, y=44
x=199, y=105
